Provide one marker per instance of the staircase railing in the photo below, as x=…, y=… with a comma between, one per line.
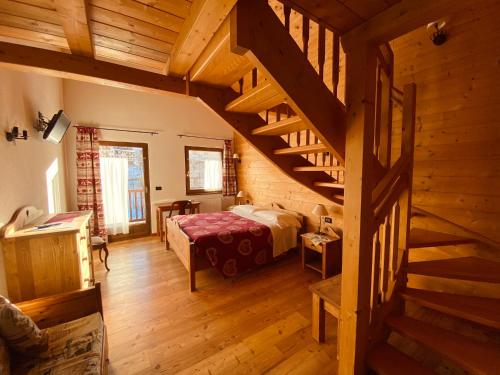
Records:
x=322, y=49
x=391, y=202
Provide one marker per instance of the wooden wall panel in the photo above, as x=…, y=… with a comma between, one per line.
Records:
x=264, y=183
x=457, y=157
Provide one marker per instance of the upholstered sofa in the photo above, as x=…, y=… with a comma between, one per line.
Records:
x=74, y=334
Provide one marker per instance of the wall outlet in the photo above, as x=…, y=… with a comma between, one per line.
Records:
x=328, y=220
x=157, y=188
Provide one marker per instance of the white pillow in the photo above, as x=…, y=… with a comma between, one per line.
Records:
x=244, y=209
x=282, y=219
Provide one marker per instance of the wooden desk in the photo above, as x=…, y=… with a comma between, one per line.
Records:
x=325, y=297
x=160, y=220
x=43, y=262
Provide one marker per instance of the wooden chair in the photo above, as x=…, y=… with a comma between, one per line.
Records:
x=99, y=244
x=182, y=207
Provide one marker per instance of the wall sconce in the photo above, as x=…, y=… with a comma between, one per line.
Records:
x=236, y=158
x=438, y=33
x=14, y=134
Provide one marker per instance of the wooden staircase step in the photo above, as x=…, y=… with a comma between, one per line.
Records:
x=299, y=150
x=426, y=238
x=283, y=127
x=474, y=356
x=257, y=99
x=333, y=185
x=320, y=168
x=484, y=311
x=386, y=360
x=466, y=268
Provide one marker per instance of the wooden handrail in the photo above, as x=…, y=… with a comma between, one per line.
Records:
x=397, y=96
x=382, y=210
x=388, y=180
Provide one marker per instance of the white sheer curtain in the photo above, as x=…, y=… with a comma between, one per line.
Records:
x=114, y=179
x=213, y=175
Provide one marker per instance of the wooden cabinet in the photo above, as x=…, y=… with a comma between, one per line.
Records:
x=324, y=256
x=42, y=262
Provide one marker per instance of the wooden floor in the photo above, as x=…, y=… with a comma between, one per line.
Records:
x=257, y=323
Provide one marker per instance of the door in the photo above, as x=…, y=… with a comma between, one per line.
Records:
x=125, y=188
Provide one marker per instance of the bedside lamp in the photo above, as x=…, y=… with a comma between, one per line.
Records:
x=240, y=195
x=319, y=210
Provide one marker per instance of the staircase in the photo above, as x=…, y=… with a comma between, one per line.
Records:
x=472, y=355
x=271, y=103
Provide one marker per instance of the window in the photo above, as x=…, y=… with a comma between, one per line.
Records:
x=203, y=170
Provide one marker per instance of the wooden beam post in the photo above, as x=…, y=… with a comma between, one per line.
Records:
x=358, y=214
x=75, y=22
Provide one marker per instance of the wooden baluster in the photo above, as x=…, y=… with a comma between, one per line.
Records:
x=267, y=116
x=288, y=115
x=335, y=63
x=331, y=163
x=298, y=138
x=315, y=140
x=241, y=85
x=378, y=111
x=374, y=299
x=393, y=266
x=286, y=12
x=305, y=35
x=386, y=251
x=254, y=77
x=321, y=50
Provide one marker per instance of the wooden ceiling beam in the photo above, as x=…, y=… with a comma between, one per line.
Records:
x=75, y=22
x=398, y=20
x=87, y=69
x=204, y=20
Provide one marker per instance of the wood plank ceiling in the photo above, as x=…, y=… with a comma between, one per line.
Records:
x=142, y=33
x=138, y=33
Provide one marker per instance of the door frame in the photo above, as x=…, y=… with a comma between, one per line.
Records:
x=136, y=232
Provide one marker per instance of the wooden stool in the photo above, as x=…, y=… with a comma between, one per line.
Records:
x=325, y=297
x=99, y=244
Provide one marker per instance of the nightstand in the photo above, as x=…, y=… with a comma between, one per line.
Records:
x=322, y=254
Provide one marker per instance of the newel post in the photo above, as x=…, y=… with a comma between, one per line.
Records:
x=358, y=214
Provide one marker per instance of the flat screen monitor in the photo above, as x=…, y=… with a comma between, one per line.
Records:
x=57, y=127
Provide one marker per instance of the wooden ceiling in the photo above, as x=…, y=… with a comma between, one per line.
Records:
x=137, y=33
x=154, y=35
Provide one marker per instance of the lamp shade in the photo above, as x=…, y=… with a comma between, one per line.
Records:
x=319, y=210
x=236, y=156
x=241, y=194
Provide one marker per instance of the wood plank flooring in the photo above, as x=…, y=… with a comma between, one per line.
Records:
x=258, y=323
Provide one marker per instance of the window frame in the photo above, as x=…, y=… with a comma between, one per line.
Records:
x=190, y=191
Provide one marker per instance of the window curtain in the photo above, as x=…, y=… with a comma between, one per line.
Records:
x=114, y=177
x=88, y=187
x=212, y=175
x=228, y=170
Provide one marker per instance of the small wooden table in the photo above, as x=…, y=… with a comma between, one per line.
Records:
x=325, y=297
x=330, y=249
x=160, y=220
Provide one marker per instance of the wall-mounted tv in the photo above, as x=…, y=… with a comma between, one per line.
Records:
x=57, y=127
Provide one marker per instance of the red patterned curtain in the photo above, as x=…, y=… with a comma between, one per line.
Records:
x=88, y=174
x=228, y=171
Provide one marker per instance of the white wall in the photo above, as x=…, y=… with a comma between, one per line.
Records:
x=24, y=163
x=89, y=104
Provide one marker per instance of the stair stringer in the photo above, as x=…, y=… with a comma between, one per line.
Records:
x=257, y=33
x=244, y=123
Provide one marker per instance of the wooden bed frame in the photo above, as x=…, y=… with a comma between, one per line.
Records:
x=179, y=241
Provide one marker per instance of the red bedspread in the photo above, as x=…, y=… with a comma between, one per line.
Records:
x=232, y=244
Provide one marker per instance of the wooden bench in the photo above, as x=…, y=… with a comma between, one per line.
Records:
x=325, y=297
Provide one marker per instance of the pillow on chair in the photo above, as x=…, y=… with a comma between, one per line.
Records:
x=4, y=358
x=20, y=333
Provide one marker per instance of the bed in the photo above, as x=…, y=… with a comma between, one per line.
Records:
x=233, y=242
